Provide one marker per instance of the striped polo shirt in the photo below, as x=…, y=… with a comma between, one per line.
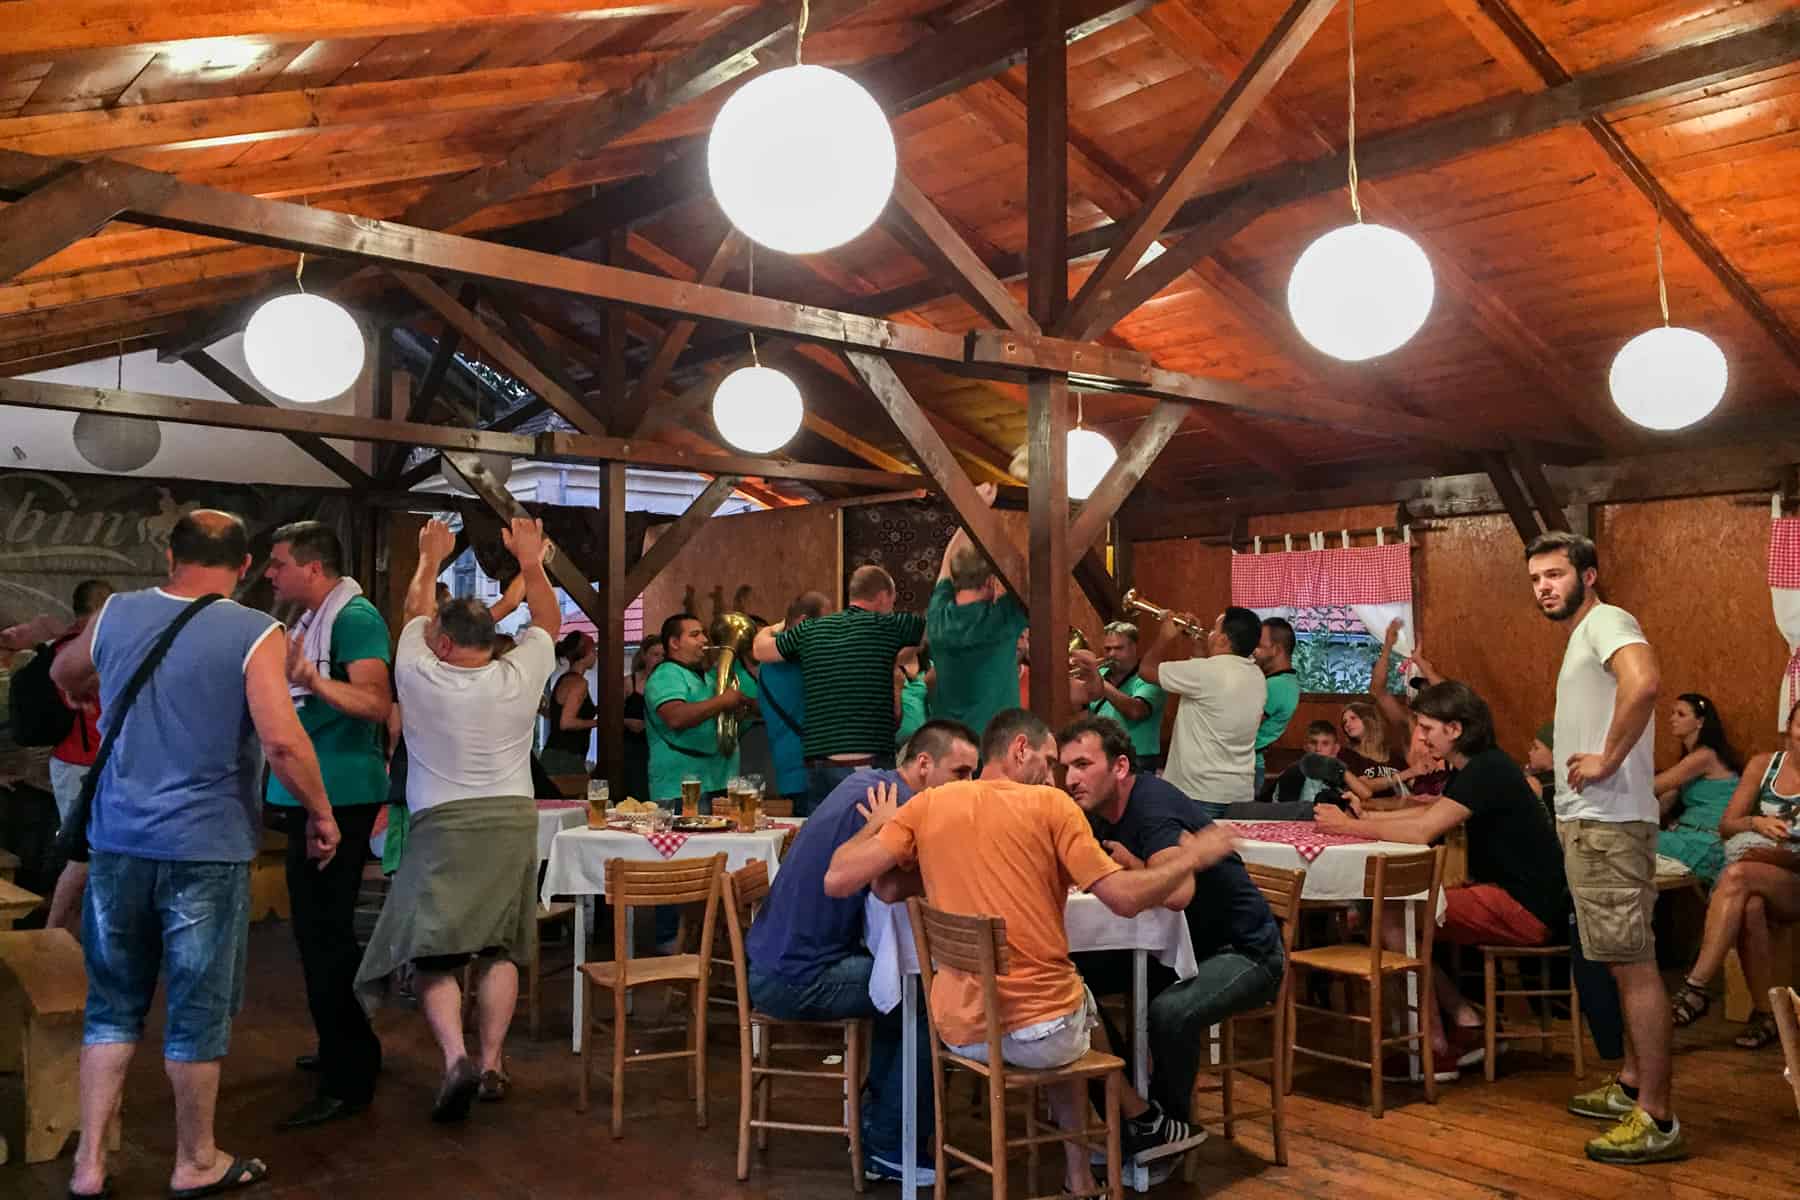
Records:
x=847, y=672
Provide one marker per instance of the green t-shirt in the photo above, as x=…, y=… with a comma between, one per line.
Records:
x=912, y=709
x=352, y=752
x=975, y=648
x=1146, y=735
x=672, y=681
x=1278, y=709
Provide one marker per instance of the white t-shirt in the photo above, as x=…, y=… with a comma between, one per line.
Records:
x=1585, y=694
x=469, y=729
x=1212, y=753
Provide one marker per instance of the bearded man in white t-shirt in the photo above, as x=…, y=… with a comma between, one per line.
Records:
x=1606, y=816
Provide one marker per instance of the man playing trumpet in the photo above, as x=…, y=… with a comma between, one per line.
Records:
x=1212, y=752
x=1112, y=687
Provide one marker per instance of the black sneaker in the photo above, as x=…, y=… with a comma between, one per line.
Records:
x=1157, y=1135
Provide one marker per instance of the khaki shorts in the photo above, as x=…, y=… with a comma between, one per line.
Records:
x=1611, y=868
x=1046, y=1045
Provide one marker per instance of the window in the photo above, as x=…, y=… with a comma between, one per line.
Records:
x=1334, y=654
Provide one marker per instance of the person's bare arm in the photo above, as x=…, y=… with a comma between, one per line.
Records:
x=1129, y=893
x=510, y=599
x=73, y=668
x=763, y=648
x=1183, y=894
x=1634, y=703
x=525, y=538
x=286, y=746
x=366, y=695
x=570, y=692
x=1392, y=708
x=435, y=544
x=1160, y=650
x=685, y=714
x=1741, y=814
x=1691, y=767
x=1418, y=826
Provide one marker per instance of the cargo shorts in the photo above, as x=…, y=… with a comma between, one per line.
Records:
x=1611, y=869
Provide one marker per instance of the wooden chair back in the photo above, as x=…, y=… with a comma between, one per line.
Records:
x=1281, y=888
x=1785, y=1004
x=973, y=945
x=743, y=891
x=1389, y=877
x=678, y=881
x=777, y=806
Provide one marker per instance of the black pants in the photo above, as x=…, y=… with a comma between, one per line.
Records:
x=1599, y=998
x=324, y=904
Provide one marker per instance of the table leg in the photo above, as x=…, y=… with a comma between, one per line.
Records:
x=1138, y=1178
x=1414, y=1067
x=909, y=1088
x=576, y=1028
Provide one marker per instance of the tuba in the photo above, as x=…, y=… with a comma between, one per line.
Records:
x=731, y=634
x=1130, y=602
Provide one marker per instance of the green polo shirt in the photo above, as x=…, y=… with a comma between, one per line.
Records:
x=678, y=752
x=352, y=752
x=912, y=710
x=1146, y=735
x=975, y=648
x=1278, y=709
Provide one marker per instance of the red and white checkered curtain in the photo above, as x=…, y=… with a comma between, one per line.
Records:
x=1784, y=590
x=1374, y=581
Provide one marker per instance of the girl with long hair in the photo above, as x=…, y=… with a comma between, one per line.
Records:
x=1697, y=790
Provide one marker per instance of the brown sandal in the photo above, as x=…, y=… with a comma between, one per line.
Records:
x=1759, y=1032
x=1691, y=1003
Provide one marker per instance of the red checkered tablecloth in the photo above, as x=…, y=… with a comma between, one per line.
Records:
x=556, y=805
x=667, y=844
x=1306, y=838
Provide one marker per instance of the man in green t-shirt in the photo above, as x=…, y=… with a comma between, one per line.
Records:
x=680, y=716
x=1275, y=655
x=1115, y=690
x=338, y=658
x=973, y=625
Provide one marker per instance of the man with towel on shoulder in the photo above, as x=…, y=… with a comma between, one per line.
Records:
x=467, y=885
x=337, y=664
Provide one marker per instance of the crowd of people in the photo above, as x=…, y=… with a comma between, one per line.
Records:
x=903, y=739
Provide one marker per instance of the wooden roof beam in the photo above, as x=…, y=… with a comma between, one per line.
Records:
x=941, y=246
x=241, y=390
x=675, y=338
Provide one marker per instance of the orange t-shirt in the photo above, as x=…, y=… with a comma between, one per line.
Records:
x=996, y=848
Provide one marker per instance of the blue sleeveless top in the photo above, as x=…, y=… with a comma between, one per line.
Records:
x=181, y=784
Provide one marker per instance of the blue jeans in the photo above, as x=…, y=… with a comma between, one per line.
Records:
x=838, y=992
x=823, y=776
x=191, y=921
x=1180, y=1015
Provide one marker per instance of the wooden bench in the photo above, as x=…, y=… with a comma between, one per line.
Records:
x=43, y=989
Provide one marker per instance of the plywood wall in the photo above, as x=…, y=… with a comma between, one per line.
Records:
x=751, y=562
x=1693, y=572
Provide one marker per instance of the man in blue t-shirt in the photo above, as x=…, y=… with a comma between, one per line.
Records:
x=807, y=957
x=784, y=705
x=1139, y=819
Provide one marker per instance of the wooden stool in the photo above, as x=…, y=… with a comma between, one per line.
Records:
x=43, y=989
x=1497, y=958
x=16, y=902
x=560, y=913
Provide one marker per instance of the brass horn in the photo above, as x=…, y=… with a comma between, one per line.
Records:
x=1131, y=602
x=732, y=634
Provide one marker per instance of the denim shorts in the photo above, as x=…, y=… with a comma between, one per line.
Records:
x=142, y=917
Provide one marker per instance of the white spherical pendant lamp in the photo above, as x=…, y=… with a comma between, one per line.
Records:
x=499, y=466
x=304, y=348
x=1360, y=291
x=1668, y=377
x=116, y=444
x=801, y=159
x=1091, y=456
x=757, y=409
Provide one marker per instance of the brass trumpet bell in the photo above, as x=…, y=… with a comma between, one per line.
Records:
x=1132, y=602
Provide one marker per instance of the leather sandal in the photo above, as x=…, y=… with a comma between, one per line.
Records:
x=1690, y=1005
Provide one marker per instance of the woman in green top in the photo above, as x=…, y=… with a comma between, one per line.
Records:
x=1701, y=784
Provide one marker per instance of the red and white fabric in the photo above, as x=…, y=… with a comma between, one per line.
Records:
x=1373, y=581
x=1784, y=591
x=1307, y=839
x=666, y=844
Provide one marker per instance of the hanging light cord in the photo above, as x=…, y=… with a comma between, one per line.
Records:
x=1355, y=200
x=800, y=31
x=1078, y=415
x=1662, y=287
x=750, y=253
x=299, y=270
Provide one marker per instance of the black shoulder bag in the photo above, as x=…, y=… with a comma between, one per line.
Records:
x=72, y=838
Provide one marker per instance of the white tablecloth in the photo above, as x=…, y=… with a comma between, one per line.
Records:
x=578, y=857
x=1090, y=925
x=1337, y=874
x=553, y=820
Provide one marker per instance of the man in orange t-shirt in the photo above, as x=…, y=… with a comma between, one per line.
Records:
x=1010, y=845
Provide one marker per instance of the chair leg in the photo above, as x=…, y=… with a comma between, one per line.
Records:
x=854, y=1044
x=1541, y=968
x=746, y=1080
x=1227, y=1069
x=1490, y=1020
x=1577, y=1028
x=692, y=1035
x=764, y=1086
x=1278, y=1085
x=1115, y=1182
x=618, y=1071
x=1285, y=1051
x=1031, y=1151
x=1375, y=1030
x=587, y=1042
x=700, y=1055
x=997, y=1128
x=939, y=1160
x=1427, y=999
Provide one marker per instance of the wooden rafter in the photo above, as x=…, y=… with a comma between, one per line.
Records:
x=1530, y=470
x=675, y=536
x=944, y=247
x=674, y=340
x=241, y=390
x=66, y=209
x=1122, y=478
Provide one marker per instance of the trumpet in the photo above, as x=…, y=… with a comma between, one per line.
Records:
x=1131, y=602
x=1077, y=641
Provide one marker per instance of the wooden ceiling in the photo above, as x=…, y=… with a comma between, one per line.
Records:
x=1542, y=246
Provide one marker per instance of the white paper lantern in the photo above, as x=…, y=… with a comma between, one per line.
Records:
x=1668, y=378
x=304, y=348
x=1090, y=457
x=1360, y=291
x=801, y=159
x=117, y=444
x=757, y=409
x=498, y=465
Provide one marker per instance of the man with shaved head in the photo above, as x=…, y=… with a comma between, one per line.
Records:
x=846, y=664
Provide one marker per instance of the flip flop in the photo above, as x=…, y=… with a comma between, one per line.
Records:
x=242, y=1173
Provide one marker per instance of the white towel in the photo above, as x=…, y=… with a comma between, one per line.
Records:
x=315, y=629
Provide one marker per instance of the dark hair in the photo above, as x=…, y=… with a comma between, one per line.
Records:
x=671, y=628
x=1281, y=632
x=1580, y=550
x=310, y=542
x=935, y=737
x=90, y=594
x=1242, y=629
x=869, y=581
x=1008, y=724
x=468, y=622
x=1451, y=700
x=1114, y=741
x=207, y=537
x=570, y=647
x=1322, y=729
x=1712, y=730
x=806, y=605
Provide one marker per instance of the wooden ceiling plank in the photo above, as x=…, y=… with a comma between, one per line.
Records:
x=315, y=447
x=1201, y=154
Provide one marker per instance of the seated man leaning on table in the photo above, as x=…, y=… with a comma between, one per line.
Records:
x=1516, y=894
x=807, y=957
x=1140, y=820
x=1010, y=845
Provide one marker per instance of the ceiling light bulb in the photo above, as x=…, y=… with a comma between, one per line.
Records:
x=1360, y=291
x=757, y=409
x=1091, y=456
x=1668, y=377
x=304, y=348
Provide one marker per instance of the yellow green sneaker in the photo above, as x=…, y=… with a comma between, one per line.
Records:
x=1608, y=1102
x=1636, y=1139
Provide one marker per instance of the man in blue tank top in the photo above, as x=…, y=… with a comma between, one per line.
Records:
x=174, y=826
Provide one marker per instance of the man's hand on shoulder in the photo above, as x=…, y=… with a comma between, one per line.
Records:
x=882, y=803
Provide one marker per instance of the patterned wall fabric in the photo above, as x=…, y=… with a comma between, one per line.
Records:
x=907, y=537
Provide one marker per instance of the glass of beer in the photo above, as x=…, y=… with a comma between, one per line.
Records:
x=690, y=795
x=743, y=799
x=598, y=794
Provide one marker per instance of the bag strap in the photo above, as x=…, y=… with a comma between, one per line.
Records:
x=797, y=727
x=664, y=739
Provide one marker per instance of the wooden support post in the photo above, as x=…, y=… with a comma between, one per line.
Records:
x=1051, y=566
x=1512, y=497
x=630, y=416
x=1047, y=166
x=616, y=595
x=1537, y=485
x=945, y=250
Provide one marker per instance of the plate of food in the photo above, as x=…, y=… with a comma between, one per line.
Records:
x=704, y=824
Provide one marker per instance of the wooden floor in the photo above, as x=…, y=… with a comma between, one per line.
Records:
x=1511, y=1138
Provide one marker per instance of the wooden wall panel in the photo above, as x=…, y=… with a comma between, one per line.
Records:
x=751, y=562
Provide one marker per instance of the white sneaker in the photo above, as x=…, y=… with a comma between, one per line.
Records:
x=880, y=1170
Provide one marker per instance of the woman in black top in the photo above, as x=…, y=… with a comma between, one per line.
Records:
x=637, y=741
x=571, y=708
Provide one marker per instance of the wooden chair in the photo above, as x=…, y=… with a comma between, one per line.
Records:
x=1785, y=1004
x=1498, y=960
x=16, y=903
x=1281, y=888
x=977, y=947
x=745, y=891
x=561, y=912
x=779, y=807
x=1386, y=878
x=647, y=884
x=43, y=987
